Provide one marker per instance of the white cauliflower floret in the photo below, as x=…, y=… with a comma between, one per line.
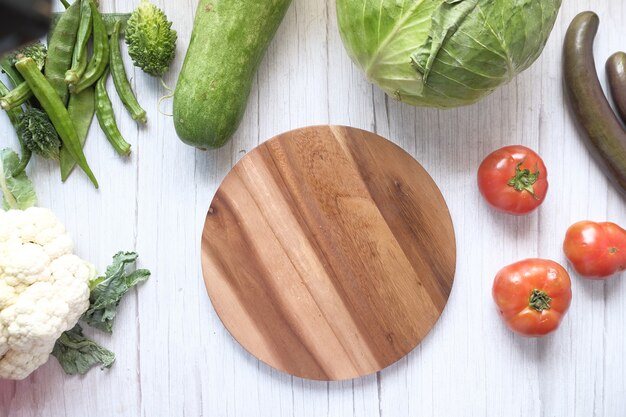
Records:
x=44, y=288
x=15, y=364
x=23, y=264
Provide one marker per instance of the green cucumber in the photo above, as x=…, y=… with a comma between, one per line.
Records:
x=228, y=42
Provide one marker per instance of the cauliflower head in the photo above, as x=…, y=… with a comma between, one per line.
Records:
x=44, y=288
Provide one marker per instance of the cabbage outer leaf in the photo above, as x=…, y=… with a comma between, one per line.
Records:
x=444, y=53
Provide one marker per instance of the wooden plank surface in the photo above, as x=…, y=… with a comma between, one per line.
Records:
x=176, y=359
x=328, y=252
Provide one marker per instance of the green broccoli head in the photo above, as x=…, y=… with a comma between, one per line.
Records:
x=39, y=134
x=150, y=38
x=36, y=50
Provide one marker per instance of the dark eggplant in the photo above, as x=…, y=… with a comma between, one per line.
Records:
x=616, y=74
x=604, y=135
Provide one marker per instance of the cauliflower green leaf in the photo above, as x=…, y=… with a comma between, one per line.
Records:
x=77, y=354
x=107, y=291
x=17, y=191
x=150, y=38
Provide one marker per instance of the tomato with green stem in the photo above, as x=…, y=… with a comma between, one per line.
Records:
x=596, y=250
x=513, y=179
x=532, y=296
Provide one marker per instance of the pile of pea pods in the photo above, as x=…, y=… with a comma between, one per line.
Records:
x=71, y=87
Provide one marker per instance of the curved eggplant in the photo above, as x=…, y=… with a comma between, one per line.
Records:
x=616, y=74
x=605, y=137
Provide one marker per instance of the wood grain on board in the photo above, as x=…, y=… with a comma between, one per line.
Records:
x=328, y=252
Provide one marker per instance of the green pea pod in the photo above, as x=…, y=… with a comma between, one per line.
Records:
x=81, y=108
x=124, y=91
x=16, y=97
x=15, y=115
x=79, y=59
x=106, y=117
x=60, y=50
x=109, y=20
x=100, y=58
x=54, y=107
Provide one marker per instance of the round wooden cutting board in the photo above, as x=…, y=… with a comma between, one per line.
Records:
x=328, y=252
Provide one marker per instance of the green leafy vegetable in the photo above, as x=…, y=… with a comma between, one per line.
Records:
x=151, y=39
x=39, y=135
x=107, y=291
x=18, y=192
x=77, y=354
x=444, y=53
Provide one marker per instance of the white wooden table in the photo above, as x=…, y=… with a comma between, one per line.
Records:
x=174, y=357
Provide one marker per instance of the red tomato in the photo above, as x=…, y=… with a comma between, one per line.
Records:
x=513, y=179
x=596, y=250
x=533, y=296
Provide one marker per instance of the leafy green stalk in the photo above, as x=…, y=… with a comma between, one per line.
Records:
x=9, y=201
x=107, y=291
x=17, y=191
x=77, y=354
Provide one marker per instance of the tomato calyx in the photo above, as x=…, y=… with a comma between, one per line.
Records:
x=524, y=180
x=539, y=300
x=612, y=250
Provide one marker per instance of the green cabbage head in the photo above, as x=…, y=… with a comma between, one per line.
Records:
x=444, y=53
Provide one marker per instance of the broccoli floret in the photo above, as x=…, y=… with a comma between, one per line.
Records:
x=39, y=135
x=150, y=38
x=36, y=50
